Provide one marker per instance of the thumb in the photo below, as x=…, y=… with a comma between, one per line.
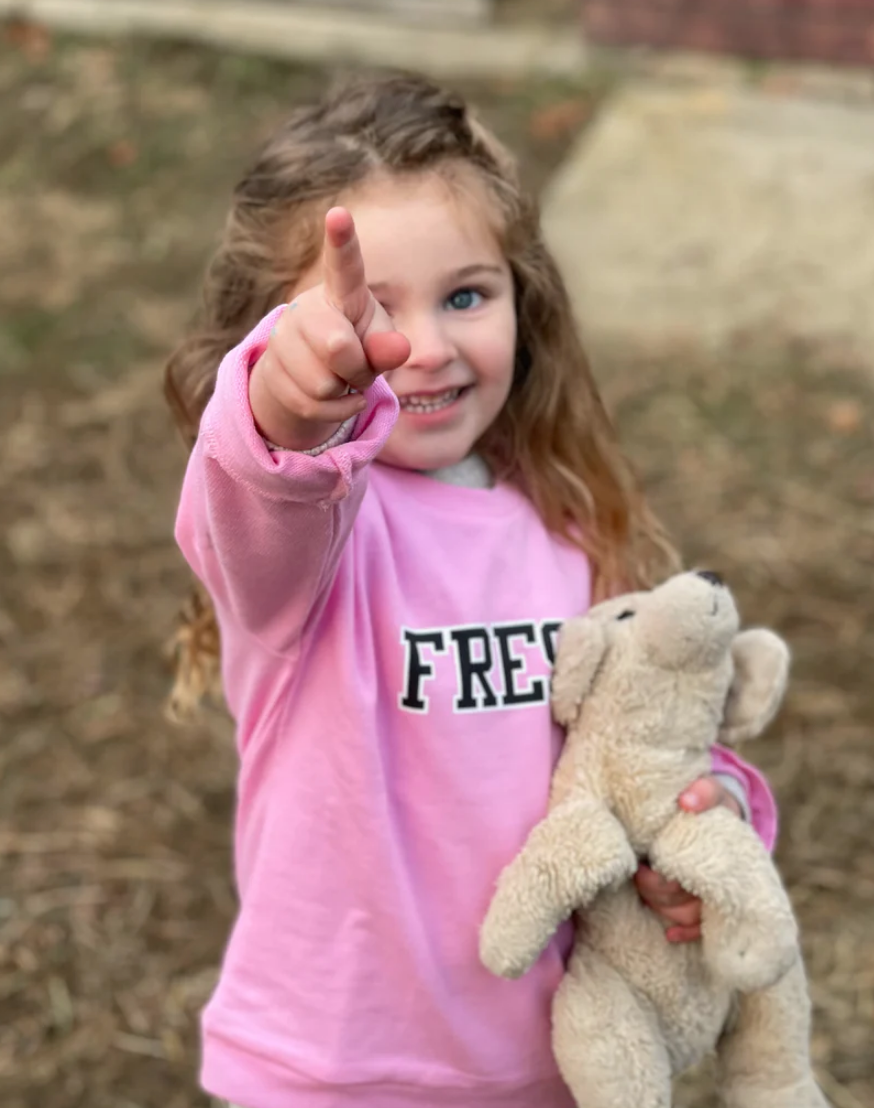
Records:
x=385, y=350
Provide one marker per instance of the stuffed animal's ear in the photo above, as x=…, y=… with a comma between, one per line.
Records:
x=761, y=669
x=581, y=646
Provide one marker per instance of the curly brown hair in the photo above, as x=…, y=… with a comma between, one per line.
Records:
x=553, y=438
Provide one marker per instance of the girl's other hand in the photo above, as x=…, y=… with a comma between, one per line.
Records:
x=668, y=899
x=327, y=348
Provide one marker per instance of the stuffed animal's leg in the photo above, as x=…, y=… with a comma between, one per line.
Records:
x=577, y=850
x=764, y=1057
x=607, y=1043
x=749, y=934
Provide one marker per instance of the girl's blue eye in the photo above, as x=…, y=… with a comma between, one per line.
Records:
x=463, y=299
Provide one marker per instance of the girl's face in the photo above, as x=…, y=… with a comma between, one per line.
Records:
x=432, y=260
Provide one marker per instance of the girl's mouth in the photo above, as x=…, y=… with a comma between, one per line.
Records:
x=427, y=402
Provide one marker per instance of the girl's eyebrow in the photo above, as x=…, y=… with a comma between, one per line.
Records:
x=473, y=270
x=462, y=274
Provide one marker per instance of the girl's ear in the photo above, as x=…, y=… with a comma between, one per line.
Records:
x=761, y=670
x=581, y=646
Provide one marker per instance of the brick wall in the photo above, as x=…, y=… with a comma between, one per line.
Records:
x=839, y=31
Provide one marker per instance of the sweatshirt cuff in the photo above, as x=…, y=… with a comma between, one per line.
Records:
x=342, y=435
x=762, y=807
x=737, y=790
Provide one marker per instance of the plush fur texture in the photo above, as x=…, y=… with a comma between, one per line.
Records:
x=645, y=685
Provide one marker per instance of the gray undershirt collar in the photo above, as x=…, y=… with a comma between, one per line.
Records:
x=471, y=472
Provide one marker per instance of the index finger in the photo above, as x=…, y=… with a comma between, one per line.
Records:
x=344, y=267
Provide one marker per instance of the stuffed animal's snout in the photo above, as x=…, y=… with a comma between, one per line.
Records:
x=689, y=621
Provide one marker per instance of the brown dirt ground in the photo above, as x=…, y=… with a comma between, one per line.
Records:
x=115, y=885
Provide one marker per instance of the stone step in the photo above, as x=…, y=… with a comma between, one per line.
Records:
x=690, y=216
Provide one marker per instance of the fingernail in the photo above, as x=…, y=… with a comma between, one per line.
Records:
x=690, y=800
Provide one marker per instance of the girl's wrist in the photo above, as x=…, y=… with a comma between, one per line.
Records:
x=342, y=435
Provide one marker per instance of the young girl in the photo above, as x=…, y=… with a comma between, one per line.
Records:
x=401, y=483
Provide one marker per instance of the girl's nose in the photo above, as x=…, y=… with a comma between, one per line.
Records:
x=431, y=346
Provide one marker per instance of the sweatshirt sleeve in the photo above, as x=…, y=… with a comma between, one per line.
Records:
x=762, y=806
x=264, y=530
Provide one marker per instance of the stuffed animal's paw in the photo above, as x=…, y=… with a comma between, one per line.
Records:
x=578, y=850
x=751, y=953
x=522, y=919
x=749, y=933
x=503, y=959
x=516, y=928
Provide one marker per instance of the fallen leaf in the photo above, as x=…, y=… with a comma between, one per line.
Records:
x=122, y=153
x=844, y=417
x=32, y=39
x=559, y=119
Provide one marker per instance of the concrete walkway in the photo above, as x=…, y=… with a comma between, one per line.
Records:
x=322, y=34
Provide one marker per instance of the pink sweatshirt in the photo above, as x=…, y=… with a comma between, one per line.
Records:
x=387, y=642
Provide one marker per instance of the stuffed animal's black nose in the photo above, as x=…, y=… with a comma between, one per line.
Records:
x=710, y=576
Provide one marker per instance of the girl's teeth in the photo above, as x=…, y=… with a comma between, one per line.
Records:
x=422, y=404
